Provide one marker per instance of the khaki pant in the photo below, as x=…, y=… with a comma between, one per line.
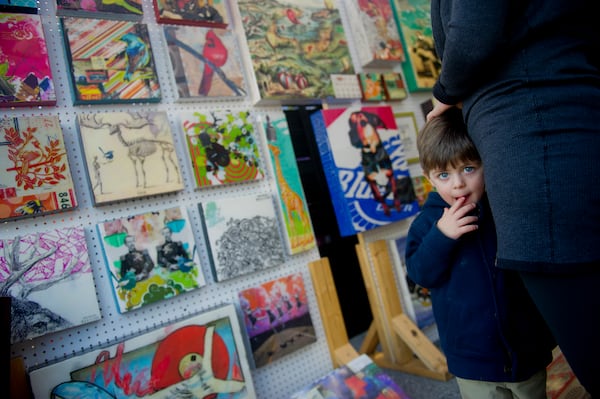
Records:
x=533, y=388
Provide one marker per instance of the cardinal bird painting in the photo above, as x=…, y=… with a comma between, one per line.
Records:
x=204, y=62
x=215, y=54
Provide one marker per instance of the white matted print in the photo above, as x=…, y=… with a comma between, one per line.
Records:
x=407, y=127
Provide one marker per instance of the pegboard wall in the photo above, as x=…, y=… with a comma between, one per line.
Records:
x=276, y=380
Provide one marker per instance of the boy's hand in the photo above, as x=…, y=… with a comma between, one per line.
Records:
x=456, y=220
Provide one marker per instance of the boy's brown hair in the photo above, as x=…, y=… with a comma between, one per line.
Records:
x=444, y=141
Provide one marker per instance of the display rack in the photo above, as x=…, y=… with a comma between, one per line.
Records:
x=276, y=380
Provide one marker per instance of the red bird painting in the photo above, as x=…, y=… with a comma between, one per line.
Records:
x=216, y=53
x=292, y=16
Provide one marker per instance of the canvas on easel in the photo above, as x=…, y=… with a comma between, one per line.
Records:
x=292, y=201
x=129, y=155
x=365, y=168
x=35, y=176
x=295, y=46
x=150, y=257
x=277, y=318
x=46, y=274
x=202, y=356
x=24, y=84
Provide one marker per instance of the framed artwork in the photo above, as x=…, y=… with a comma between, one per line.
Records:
x=24, y=84
x=366, y=171
x=205, y=63
x=202, y=356
x=422, y=65
x=277, y=319
x=110, y=61
x=394, y=86
x=359, y=378
x=292, y=201
x=421, y=184
x=407, y=127
x=125, y=9
x=375, y=32
x=222, y=147
x=242, y=235
x=371, y=86
x=150, y=257
x=295, y=46
x=36, y=178
x=45, y=274
x=19, y=6
x=209, y=13
x=137, y=147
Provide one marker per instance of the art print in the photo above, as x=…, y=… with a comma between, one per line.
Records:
x=366, y=171
x=110, y=61
x=243, y=235
x=295, y=46
x=422, y=65
x=35, y=176
x=45, y=274
x=150, y=257
x=137, y=147
x=200, y=357
x=209, y=13
x=120, y=9
x=407, y=127
x=292, y=201
x=205, y=62
x=277, y=319
x=24, y=83
x=222, y=147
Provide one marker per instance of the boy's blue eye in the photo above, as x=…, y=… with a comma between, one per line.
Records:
x=469, y=169
x=443, y=175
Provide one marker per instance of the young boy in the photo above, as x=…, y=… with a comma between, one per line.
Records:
x=495, y=341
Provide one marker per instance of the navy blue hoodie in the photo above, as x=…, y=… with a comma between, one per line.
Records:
x=489, y=328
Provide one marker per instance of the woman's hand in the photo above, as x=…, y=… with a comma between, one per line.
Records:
x=438, y=109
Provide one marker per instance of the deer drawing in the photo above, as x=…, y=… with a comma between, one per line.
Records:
x=140, y=147
x=29, y=318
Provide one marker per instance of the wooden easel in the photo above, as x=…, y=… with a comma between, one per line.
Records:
x=404, y=346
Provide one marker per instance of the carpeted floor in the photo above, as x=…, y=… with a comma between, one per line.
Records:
x=562, y=384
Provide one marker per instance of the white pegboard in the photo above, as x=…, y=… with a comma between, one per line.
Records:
x=277, y=380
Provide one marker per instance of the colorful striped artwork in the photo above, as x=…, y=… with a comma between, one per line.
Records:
x=111, y=61
x=222, y=147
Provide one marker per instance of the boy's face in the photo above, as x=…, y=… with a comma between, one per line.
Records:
x=464, y=180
